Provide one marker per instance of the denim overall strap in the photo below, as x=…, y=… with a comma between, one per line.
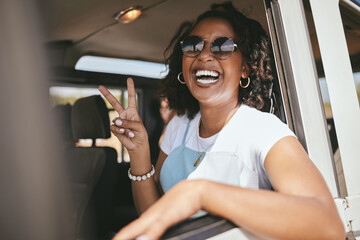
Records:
x=186, y=131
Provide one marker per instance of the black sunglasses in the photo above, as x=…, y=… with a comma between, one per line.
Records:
x=221, y=47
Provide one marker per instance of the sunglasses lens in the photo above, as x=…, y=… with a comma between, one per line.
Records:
x=223, y=47
x=192, y=46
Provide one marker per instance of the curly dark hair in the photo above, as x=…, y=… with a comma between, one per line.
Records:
x=255, y=47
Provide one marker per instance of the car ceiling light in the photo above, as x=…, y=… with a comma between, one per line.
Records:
x=128, y=15
x=124, y=16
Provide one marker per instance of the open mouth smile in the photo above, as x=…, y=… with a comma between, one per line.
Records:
x=207, y=76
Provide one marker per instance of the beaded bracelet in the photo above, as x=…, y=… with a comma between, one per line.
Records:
x=143, y=177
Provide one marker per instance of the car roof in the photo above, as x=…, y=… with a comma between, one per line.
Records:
x=74, y=28
x=69, y=21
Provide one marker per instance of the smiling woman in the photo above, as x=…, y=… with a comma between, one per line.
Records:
x=232, y=146
x=222, y=150
x=259, y=97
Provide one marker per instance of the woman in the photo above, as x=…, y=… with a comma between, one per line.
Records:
x=231, y=154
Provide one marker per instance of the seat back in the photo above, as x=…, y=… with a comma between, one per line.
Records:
x=63, y=115
x=93, y=169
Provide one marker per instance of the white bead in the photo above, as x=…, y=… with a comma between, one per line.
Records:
x=143, y=177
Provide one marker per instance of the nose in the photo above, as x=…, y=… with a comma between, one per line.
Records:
x=206, y=54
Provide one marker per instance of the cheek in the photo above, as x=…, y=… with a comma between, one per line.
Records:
x=186, y=64
x=233, y=74
x=234, y=70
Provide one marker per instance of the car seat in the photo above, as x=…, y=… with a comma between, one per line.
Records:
x=93, y=170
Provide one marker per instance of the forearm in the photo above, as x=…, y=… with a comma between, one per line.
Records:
x=272, y=214
x=145, y=192
x=130, y=131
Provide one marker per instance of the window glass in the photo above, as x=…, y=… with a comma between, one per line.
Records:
x=351, y=24
x=60, y=95
x=122, y=66
x=356, y=2
x=325, y=93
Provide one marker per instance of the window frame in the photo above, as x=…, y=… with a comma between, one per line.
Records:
x=301, y=89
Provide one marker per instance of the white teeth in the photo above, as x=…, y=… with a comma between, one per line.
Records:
x=207, y=76
x=209, y=73
x=206, y=81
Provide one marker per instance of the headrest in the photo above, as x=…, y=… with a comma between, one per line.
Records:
x=90, y=118
x=63, y=116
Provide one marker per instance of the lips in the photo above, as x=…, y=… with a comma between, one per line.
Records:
x=207, y=76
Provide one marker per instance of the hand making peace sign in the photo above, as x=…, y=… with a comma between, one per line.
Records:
x=128, y=127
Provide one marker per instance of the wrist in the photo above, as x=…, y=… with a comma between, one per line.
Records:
x=140, y=150
x=142, y=177
x=140, y=162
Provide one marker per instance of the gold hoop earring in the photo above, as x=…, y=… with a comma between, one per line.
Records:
x=178, y=77
x=247, y=84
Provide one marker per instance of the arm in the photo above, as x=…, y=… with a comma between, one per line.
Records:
x=300, y=208
x=145, y=193
x=130, y=131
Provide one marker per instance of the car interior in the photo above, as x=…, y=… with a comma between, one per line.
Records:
x=79, y=29
x=76, y=32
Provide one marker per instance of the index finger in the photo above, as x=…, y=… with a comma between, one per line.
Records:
x=131, y=93
x=112, y=100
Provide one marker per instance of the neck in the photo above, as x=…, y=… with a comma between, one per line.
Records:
x=214, y=118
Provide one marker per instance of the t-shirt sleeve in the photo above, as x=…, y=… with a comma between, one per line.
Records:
x=167, y=142
x=273, y=131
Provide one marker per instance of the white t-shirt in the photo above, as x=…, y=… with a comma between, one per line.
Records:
x=237, y=153
x=175, y=131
